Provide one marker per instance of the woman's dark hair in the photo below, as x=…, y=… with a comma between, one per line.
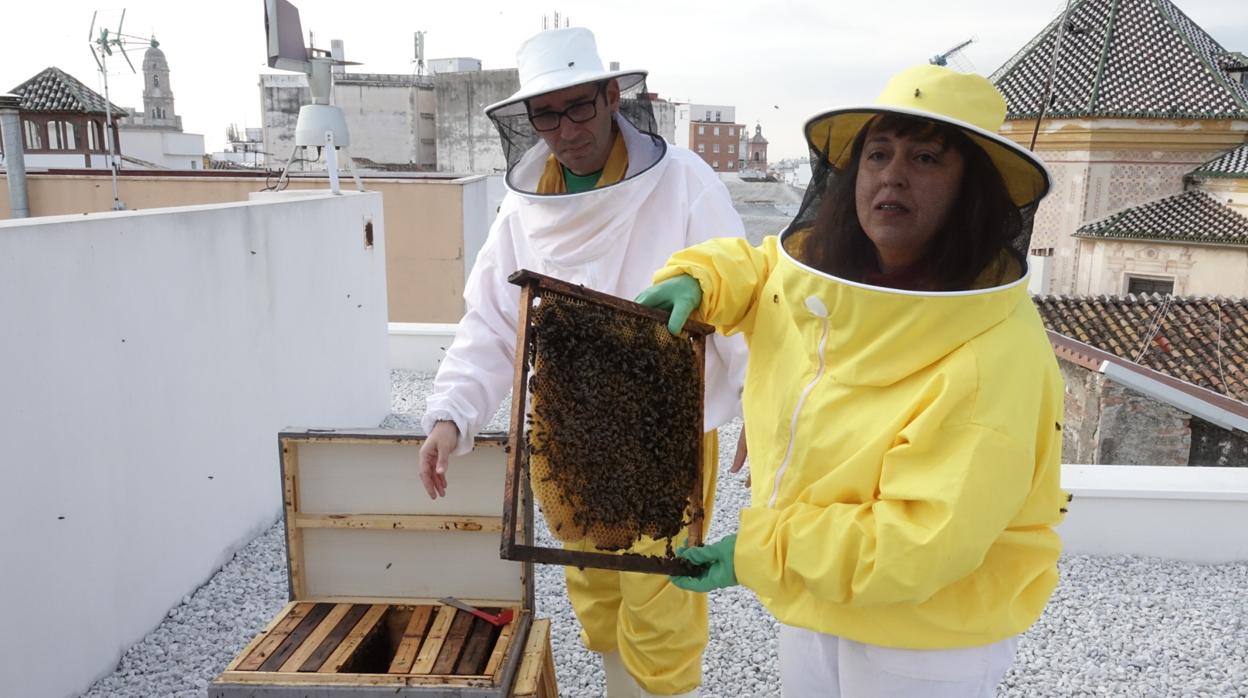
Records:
x=982, y=222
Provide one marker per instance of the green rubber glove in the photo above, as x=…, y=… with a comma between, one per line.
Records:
x=719, y=572
x=679, y=294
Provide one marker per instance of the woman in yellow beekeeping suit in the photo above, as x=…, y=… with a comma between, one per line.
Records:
x=902, y=403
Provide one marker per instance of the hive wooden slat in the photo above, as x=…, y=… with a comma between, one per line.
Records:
x=318, y=636
x=274, y=638
x=454, y=645
x=334, y=637
x=413, y=636
x=354, y=639
x=292, y=642
x=477, y=649
x=433, y=644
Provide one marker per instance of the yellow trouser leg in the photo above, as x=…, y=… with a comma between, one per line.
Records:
x=659, y=630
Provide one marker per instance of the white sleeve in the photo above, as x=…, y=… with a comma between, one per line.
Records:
x=711, y=215
x=479, y=366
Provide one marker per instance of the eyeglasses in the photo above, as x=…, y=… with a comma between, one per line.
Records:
x=578, y=113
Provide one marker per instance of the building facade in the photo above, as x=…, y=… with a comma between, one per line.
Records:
x=64, y=125
x=399, y=122
x=1140, y=97
x=712, y=132
x=390, y=118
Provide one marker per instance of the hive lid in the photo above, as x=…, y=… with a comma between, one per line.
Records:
x=359, y=524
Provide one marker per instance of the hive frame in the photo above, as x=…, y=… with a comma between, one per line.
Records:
x=517, y=483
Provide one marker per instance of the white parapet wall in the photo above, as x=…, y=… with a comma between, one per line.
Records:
x=419, y=346
x=1178, y=513
x=148, y=361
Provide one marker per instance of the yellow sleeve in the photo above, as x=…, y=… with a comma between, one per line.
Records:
x=944, y=499
x=731, y=273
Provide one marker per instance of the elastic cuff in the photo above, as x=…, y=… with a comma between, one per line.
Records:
x=464, y=445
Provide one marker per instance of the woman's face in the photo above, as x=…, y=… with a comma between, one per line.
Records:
x=904, y=193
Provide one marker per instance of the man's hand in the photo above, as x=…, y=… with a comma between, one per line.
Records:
x=680, y=294
x=435, y=455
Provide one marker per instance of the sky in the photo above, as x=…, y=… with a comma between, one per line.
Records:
x=778, y=62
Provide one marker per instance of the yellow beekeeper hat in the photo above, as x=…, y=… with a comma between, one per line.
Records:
x=969, y=102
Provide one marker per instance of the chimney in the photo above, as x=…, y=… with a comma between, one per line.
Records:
x=14, y=156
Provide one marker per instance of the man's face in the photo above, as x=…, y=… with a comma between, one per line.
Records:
x=581, y=147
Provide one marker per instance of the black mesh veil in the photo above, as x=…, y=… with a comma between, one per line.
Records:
x=824, y=174
x=518, y=135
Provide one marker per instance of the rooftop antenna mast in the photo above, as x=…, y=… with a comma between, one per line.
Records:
x=548, y=24
x=1063, y=21
x=102, y=46
x=420, y=52
x=955, y=56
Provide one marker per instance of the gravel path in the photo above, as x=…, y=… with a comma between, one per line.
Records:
x=1117, y=626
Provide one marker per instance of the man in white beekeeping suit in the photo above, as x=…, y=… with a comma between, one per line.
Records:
x=594, y=198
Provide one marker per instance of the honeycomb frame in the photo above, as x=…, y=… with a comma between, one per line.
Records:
x=517, y=538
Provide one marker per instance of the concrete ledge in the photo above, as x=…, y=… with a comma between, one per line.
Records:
x=419, y=346
x=1193, y=514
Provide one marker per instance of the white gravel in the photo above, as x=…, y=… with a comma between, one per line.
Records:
x=1117, y=626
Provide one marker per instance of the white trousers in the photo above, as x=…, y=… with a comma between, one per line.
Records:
x=813, y=664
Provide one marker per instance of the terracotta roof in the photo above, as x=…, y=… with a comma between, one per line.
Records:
x=1125, y=58
x=55, y=90
x=1232, y=164
x=1203, y=341
x=1194, y=216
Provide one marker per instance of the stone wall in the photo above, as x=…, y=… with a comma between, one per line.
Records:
x=1106, y=423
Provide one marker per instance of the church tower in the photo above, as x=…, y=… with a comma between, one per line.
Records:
x=157, y=92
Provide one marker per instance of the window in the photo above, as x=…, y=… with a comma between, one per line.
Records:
x=730, y=164
x=715, y=164
x=701, y=130
x=732, y=131
x=33, y=140
x=701, y=147
x=715, y=148
x=708, y=115
x=732, y=148
x=93, y=136
x=715, y=131
x=1138, y=285
x=756, y=158
x=54, y=135
x=717, y=115
x=155, y=81
x=72, y=140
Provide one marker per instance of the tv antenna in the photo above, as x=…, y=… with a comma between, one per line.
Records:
x=559, y=22
x=956, y=57
x=419, y=59
x=320, y=125
x=102, y=47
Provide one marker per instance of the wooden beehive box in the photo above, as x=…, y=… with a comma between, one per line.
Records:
x=369, y=555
